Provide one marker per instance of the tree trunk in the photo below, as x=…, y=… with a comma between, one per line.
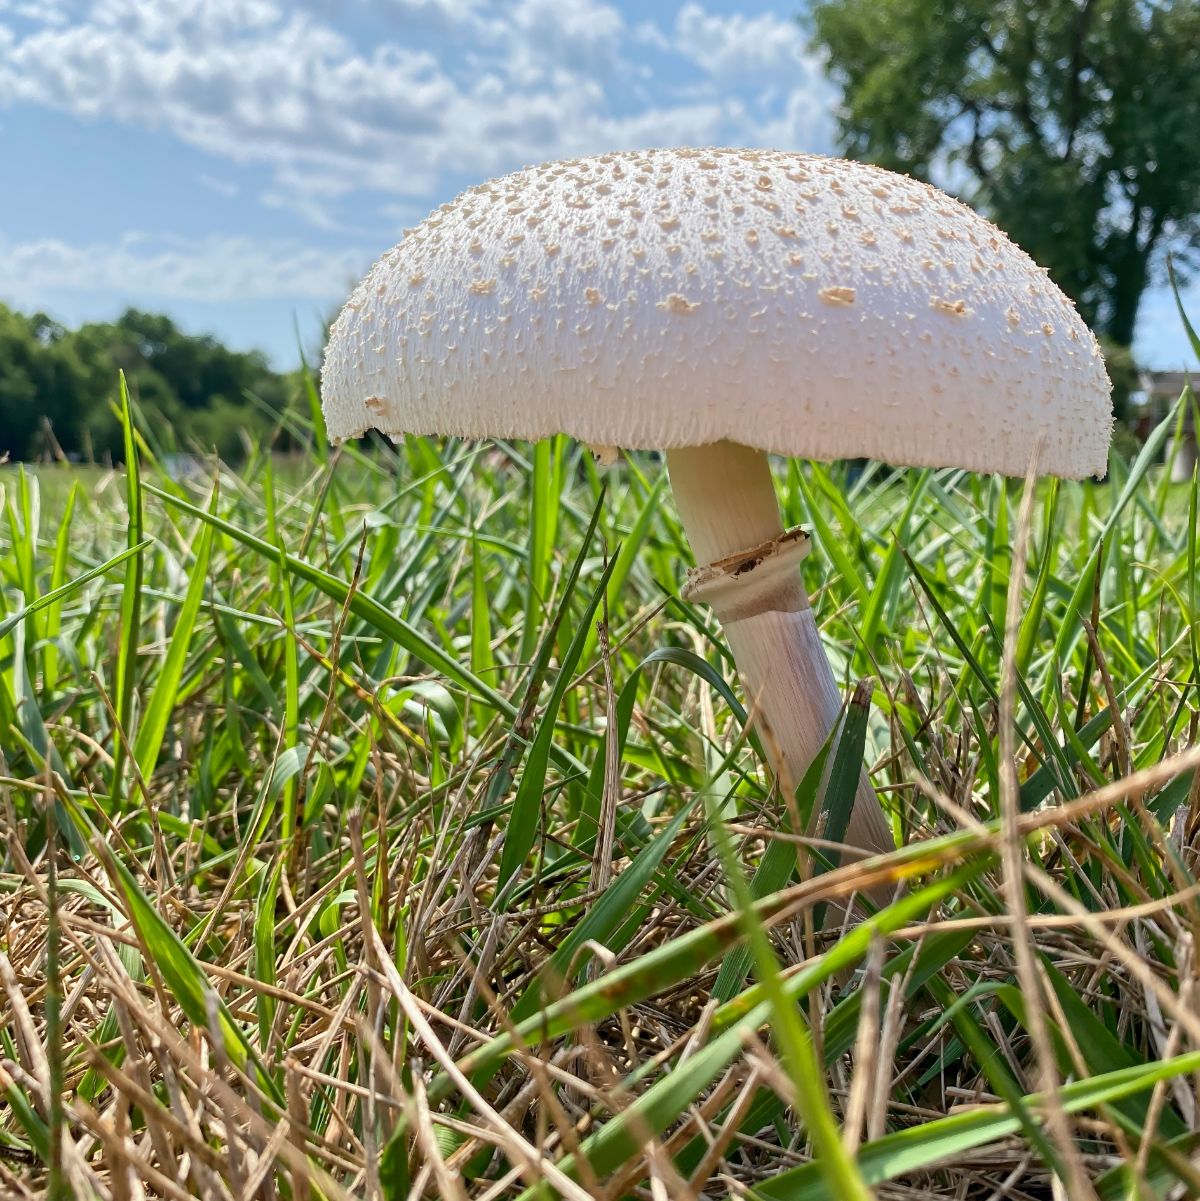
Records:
x=1129, y=282
x=1127, y=291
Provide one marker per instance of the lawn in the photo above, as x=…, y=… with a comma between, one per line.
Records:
x=303, y=767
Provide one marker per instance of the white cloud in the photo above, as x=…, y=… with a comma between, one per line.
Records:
x=253, y=81
x=207, y=269
x=249, y=82
x=311, y=196
x=270, y=87
x=41, y=12
x=764, y=48
x=223, y=187
x=438, y=16
x=646, y=33
x=798, y=120
x=547, y=38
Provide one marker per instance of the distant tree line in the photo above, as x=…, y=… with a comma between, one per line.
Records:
x=57, y=386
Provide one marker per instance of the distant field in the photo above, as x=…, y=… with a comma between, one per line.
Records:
x=298, y=895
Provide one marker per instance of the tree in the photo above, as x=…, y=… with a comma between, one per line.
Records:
x=40, y=381
x=1073, y=124
x=196, y=369
x=58, y=387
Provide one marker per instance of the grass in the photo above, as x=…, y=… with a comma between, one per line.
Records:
x=381, y=824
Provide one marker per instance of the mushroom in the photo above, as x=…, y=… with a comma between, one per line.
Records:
x=721, y=305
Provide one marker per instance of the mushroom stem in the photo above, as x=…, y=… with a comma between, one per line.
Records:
x=750, y=576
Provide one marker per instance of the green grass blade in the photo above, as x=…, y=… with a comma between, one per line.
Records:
x=157, y=713
x=661, y=1103
x=1069, y=629
x=362, y=605
x=58, y=577
x=58, y=595
x=131, y=594
x=180, y=972
x=800, y=1060
x=483, y=661
x=525, y=816
x=605, y=917
x=921, y=1147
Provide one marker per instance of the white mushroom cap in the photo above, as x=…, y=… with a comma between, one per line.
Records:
x=666, y=298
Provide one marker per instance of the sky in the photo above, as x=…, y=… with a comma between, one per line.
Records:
x=240, y=163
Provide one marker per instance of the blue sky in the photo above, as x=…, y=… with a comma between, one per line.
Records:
x=239, y=163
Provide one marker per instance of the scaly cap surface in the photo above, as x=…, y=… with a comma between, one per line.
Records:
x=655, y=299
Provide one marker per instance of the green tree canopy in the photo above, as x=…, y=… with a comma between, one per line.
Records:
x=1074, y=124
x=57, y=385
